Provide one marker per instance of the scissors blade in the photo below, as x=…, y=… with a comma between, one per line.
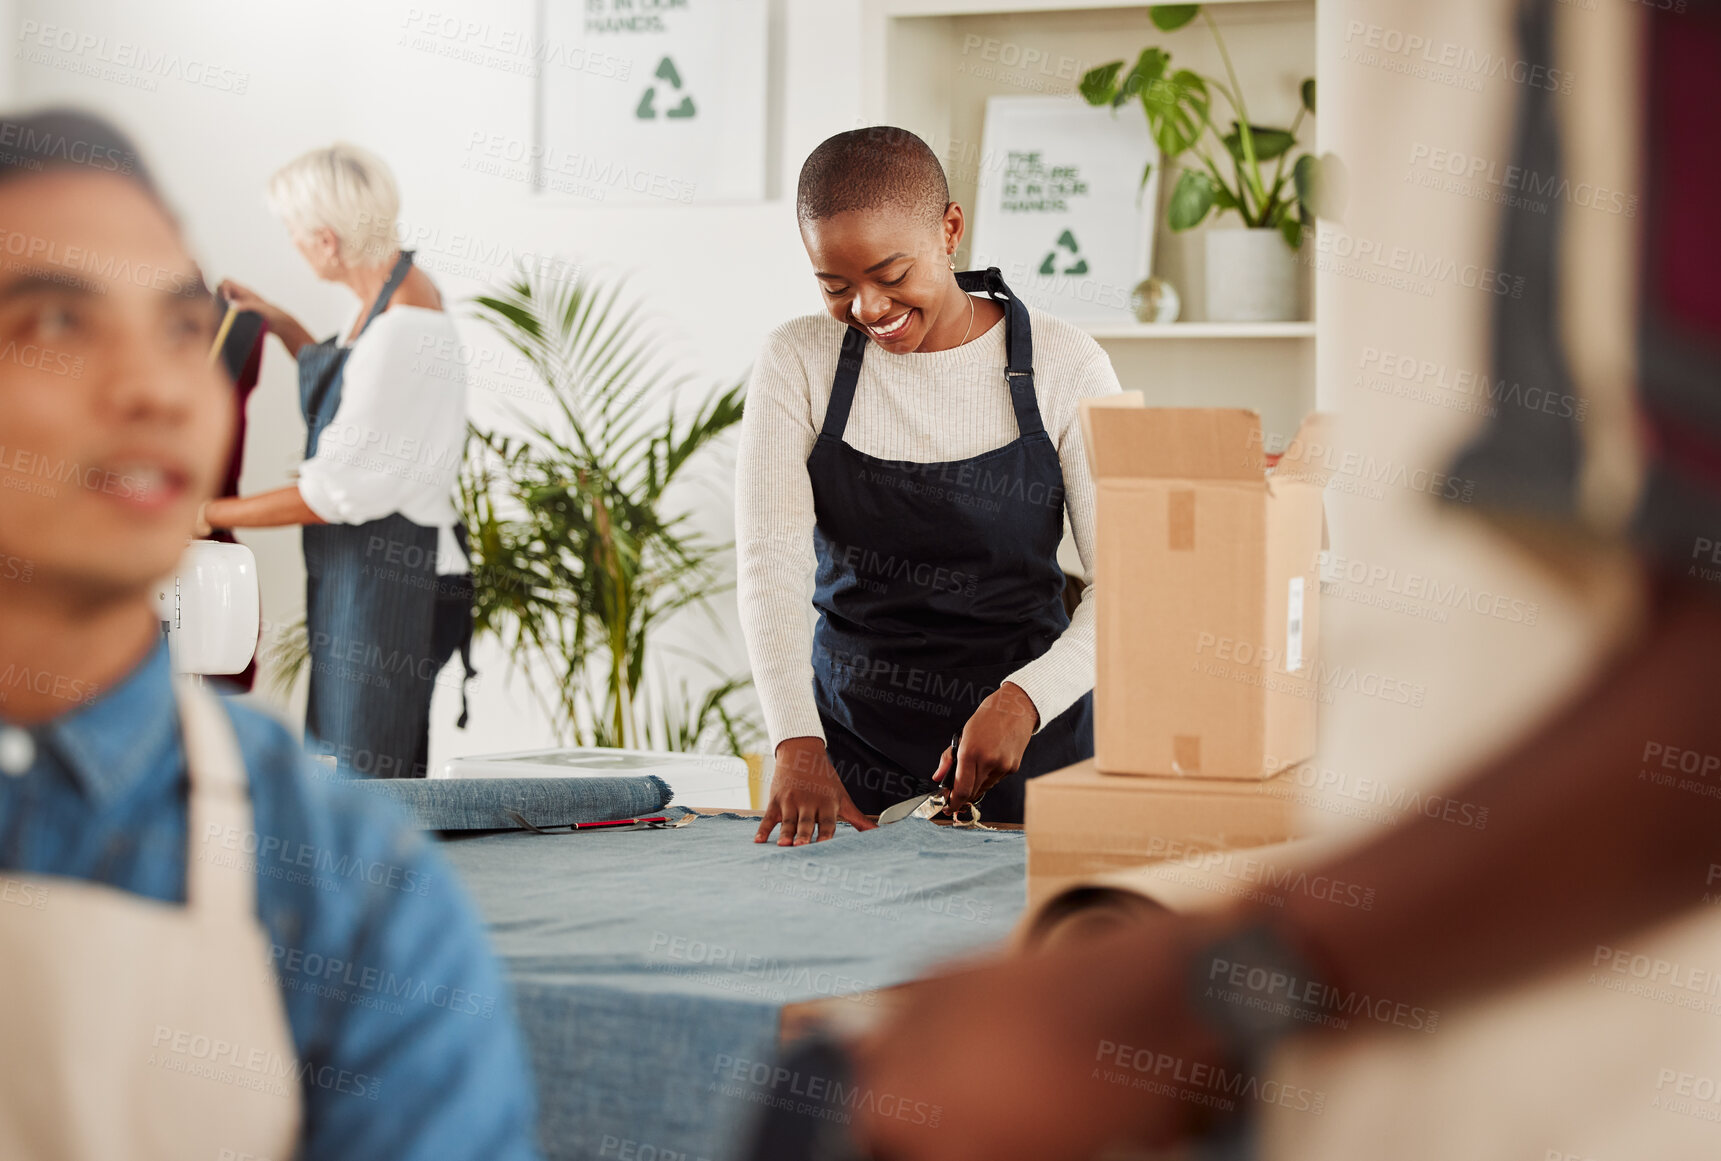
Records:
x=903, y=809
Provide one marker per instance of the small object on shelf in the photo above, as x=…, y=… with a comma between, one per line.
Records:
x=1155, y=300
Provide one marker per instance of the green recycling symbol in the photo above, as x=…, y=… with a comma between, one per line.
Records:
x=646, y=110
x=1066, y=241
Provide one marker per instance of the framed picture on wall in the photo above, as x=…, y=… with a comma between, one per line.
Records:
x=1061, y=208
x=653, y=102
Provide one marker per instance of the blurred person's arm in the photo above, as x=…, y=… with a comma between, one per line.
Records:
x=1579, y=849
x=774, y=534
x=264, y=510
x=417, y=1054
x=1580, y=845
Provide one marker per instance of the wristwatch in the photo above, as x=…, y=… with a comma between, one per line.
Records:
x=1253, y=989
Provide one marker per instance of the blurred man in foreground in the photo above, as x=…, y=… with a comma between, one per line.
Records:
x=1580, y=849
x=207, y=954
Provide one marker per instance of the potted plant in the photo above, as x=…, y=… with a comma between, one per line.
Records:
x=1251, y=273
x=577, y=557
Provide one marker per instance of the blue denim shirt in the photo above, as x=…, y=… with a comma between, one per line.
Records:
x=390, y=988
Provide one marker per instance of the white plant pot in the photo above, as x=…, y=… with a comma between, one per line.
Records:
x=1251, y=276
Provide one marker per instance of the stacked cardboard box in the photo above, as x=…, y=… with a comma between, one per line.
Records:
x=1207, y=588
x=1082, y=823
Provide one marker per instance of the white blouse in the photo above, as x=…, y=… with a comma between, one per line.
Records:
x=397, y=437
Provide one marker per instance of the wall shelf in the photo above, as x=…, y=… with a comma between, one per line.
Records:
x=933, y=8
x=930, y=66
x=1201, y=330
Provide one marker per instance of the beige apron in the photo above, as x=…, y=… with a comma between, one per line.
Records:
x=132, y=1028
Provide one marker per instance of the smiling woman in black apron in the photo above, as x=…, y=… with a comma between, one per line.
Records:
x=909, y=456
x=388, y=596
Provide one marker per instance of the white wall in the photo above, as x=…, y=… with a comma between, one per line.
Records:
x=718, y=277
x=8, y=63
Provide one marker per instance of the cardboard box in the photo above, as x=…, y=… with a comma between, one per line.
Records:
x=1082, y=823
x=1207, y=567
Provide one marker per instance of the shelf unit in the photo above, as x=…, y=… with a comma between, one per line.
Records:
x=930, y=65
x=1109, y=332
x=895, y=8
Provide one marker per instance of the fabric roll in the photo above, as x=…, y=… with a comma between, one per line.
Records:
x=486, y=803
x=1191, y=882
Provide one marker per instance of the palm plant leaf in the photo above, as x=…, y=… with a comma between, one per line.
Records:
x=578, y=558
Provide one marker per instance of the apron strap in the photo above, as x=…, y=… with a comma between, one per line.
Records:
x=338, y=359
x=1018, y=344
x=466, y=663
x=1018, y=358
x=222, y=846
x=402, y=265
x=843, y=386
x=464, y=538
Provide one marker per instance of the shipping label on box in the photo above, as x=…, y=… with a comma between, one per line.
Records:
x=1207, y=592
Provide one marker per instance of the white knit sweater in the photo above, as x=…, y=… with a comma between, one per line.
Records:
x=926, y=408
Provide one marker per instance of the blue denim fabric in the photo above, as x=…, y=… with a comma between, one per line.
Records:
x=652, y=967
x=391, y=993
x=485, y=803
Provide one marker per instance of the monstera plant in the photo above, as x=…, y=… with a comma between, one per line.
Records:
x=1240, y=168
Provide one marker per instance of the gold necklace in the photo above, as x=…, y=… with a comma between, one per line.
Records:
x=965, y=333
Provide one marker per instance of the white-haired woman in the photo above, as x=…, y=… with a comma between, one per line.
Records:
x=387, y=591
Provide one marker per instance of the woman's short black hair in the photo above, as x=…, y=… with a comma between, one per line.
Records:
x=863, y=169
x=56, y=139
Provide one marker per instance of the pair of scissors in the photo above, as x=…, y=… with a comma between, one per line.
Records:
x=934, y=802
x=655, y=822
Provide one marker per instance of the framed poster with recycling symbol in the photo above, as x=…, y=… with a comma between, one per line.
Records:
x=653, y=102
x=1061, y=208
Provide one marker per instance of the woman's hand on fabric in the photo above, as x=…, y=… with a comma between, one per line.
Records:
x=807, y=797
x=992, y=745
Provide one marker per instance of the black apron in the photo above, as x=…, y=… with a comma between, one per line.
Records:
x=380, y=622
x=935, y=582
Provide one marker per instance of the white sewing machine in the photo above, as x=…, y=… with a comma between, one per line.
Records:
x=210, y=609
